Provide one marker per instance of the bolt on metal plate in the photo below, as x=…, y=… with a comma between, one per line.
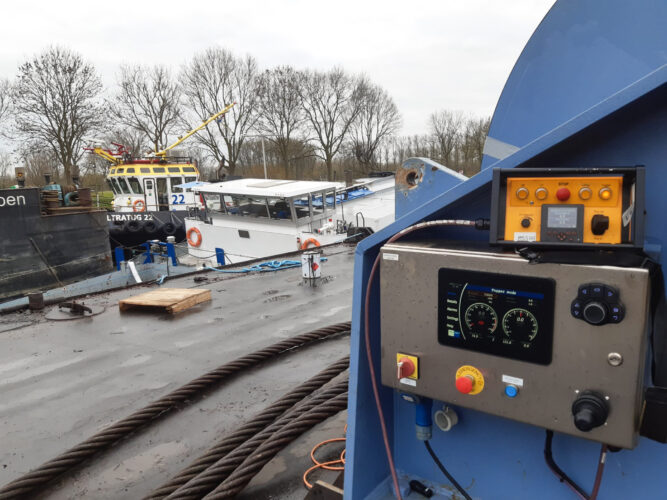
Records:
x=614, y=359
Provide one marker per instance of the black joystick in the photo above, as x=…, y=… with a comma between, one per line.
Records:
x=590, y=410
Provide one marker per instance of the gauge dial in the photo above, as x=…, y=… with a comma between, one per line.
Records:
x=520, y=324
x=480, y=318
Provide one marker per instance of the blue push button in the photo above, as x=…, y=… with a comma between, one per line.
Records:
x=511, y=391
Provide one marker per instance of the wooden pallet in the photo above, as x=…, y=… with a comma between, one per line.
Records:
x=171, y=300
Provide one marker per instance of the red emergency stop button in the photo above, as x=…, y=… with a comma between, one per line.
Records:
x=406, y=368
x=464, y=384
x=563, y=194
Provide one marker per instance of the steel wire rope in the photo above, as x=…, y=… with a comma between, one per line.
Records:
x=243, y=474
x=102, y=440
x=215, y=474
x=240, y=435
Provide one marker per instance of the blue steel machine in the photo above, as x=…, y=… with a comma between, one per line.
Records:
x=550, y=318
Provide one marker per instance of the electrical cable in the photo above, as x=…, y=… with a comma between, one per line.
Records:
x=564, y=478
x=104, y=439
x=335, y=465
x=445, y=471
x=477, y=224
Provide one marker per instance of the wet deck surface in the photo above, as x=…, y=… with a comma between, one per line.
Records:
x=62, y=381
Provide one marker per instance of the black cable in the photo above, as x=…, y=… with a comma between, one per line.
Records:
x=445, y=472
x=564, y=478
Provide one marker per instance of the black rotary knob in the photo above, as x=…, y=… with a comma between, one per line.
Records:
x=590, y=410
x=595, y=313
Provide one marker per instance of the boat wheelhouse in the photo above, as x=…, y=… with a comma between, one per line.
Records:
x=255, y=218
x=152, y=185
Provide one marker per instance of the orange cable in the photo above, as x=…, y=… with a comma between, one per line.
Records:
x=337, y=465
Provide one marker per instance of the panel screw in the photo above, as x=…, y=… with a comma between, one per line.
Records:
x=615, y=359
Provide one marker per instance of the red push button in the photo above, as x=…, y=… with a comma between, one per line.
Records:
x=464, y=384
x=405, y=368
x=563, y=194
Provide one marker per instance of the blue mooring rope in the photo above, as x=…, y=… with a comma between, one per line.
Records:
x=264, y=267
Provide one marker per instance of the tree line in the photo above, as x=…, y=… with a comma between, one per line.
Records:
x=301, y=123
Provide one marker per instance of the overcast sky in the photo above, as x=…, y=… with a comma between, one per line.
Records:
x=429, y=55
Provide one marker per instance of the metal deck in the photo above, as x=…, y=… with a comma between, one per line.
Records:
x=61, y=381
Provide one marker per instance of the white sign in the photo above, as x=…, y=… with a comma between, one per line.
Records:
x=12, y=201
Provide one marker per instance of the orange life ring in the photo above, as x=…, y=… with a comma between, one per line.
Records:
x=308, y=242
x=197, y=242
x=139, y=206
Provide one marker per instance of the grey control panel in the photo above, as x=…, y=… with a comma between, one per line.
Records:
x=558, y=346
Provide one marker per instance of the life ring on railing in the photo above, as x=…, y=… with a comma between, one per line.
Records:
x=197, y=242
x=308, y=242
x=139, y=206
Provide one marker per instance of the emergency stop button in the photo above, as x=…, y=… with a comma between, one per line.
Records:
x=469, y=380
x=563, y=194
x=464, y=384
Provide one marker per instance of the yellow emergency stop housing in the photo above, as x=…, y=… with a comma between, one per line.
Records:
x=568, y=207
x=415, y=361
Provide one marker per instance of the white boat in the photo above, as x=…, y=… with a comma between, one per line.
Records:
x=257, y=218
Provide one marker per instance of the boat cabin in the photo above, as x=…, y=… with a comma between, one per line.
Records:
x=253, y=218
x=148, y=185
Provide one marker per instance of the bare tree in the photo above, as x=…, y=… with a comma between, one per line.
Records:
x=5, y=98
x=212, y=81
x=331, y=104
x=472, y=144
x=378, y=119
x=149, y=101
x=282, y=115
x=446, y=128
x=55, y=100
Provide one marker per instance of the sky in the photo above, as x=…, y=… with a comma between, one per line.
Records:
x=429, y=55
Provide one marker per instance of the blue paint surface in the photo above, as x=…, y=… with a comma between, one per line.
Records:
x=625, y=125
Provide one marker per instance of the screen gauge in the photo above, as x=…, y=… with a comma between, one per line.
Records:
x=480, y=318
x=520, y=324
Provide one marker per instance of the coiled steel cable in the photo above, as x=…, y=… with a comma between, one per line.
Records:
x=207, y=480
x=48, y=471
x=260, y=421
x=238, y=479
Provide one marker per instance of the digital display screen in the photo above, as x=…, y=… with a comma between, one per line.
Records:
x=506, y=315
x=562, y=217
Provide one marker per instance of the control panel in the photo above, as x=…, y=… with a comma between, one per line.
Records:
x=566, y=207
x=560, y=346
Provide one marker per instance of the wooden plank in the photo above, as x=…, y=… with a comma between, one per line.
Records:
x=172, y=300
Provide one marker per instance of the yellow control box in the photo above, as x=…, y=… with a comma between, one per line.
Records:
x=565, y=207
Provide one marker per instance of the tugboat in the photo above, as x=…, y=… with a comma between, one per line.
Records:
x=150, y=201
x=49, y=237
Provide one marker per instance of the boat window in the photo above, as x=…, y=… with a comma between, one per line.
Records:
x=302, y=207
x=114, y=186
x=189, y=179
x=120, y=170
x=145, y=170
x=175, y=170
x=135, y=185
x=112, y=171
x=279, y=208
x=248, y=205
x=129, y=170
x=123, y=185
x=330, y=197
x=189, y=169
x=212, y=201
x=158, y=170
x=175, y=181
x=317, y=204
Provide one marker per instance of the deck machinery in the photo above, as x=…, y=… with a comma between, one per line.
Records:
x=546, y=329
